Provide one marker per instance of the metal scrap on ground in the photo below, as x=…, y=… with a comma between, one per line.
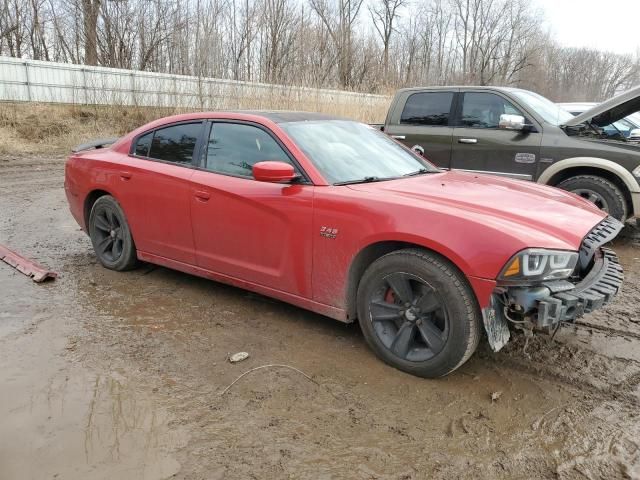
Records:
x=31, y=269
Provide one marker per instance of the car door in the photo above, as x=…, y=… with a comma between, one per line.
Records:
x=479, y=145
x=423, y=120
x=259, y=232
x=154, y=190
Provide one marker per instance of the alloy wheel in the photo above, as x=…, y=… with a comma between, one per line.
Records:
x=109, y=234
x=409, y=317
x=594, y=197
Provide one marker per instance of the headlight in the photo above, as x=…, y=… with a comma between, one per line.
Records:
x=536, y=264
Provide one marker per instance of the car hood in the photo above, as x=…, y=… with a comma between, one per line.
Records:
x=611, y=110
x=539, y=215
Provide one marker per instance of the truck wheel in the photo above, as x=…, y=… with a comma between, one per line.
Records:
x=110, y=235
x=600, y=191
x=418, y=313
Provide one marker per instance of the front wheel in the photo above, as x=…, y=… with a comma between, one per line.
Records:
x=110, y=235
x=599, y=191
x=418, y=313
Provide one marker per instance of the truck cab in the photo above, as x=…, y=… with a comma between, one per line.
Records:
x=520, y=134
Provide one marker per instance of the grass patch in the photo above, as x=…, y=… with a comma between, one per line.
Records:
x=32, y=128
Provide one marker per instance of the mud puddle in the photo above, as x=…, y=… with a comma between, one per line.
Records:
x=120, y=375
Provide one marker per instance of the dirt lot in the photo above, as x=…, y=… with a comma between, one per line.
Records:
x=119, y=375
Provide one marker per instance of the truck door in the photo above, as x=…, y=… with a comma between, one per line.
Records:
x=422, y=118
x=479, y=145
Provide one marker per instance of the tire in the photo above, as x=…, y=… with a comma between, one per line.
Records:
x=442, y=322
x=111, y=236
x=600, y=191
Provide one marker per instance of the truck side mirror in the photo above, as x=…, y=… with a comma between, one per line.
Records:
x=511, y=122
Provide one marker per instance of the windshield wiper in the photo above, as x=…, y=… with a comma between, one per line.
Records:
x=362, y=180
x=420, y=172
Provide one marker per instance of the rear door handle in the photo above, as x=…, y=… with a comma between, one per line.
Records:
x=399, y=137
x=467, y=140
x=202, y=196
x=125, y=175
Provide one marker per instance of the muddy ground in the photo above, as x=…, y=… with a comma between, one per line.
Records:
x=108, y=375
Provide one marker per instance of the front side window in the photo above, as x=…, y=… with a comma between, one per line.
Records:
x=233, y=149
x=483, y=110
x=427, y=108
x=175, y=143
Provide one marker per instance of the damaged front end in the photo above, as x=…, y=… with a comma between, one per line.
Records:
x=540, y=289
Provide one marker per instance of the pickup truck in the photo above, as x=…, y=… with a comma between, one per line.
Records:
x=520, y=134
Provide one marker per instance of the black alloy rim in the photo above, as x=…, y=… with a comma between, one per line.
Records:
x=108, y=232
x=594, y=197
x=409, y=317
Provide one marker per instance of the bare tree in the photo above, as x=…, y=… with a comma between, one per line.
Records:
x=339, y=17
x=318, y=43
x=90, y=12
x=384, y=14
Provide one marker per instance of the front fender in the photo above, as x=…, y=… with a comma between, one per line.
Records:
x=592, y=162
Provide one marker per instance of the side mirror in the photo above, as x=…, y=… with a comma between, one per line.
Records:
x=634, y=135
x=274, y=172
x=511, y=122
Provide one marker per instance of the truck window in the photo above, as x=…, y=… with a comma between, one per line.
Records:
x=427, y=108
x=483, y=110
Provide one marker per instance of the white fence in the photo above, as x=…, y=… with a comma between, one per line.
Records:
x=39, y=81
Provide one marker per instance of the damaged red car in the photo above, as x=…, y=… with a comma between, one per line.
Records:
x=336, y=217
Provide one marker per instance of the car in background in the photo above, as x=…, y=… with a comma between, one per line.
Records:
x=628, y=127
x=517, y=133
x=336, y=217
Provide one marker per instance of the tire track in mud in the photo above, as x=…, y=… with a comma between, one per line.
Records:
x=600, y=376
x=609, y=330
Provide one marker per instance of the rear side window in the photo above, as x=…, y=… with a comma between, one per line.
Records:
x=175, y=143
x=427, y=108
x=143, y=144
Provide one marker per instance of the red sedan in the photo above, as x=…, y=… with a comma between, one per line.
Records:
x=334, y=216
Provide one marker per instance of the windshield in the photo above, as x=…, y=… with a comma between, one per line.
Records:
x=634, y=118
x=346, y=151
x=549, y=111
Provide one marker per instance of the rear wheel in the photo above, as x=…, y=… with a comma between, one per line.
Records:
x=599, y=191
x=110, y=235
x=418, y=313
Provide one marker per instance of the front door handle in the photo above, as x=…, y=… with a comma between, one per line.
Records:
x=398, y=137
x=202, y=196
x=125, y=175
x=468, y=140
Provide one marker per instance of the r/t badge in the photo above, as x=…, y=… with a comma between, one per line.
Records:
x=328, y=232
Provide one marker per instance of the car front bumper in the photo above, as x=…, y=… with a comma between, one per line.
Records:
x=551, y=303
x=564, y=301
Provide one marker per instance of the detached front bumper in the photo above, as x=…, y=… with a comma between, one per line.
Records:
x=599, y=286
x=552, y=302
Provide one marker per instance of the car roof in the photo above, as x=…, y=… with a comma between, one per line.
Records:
x=463, y=87
x=274, y=116
x=286, y=116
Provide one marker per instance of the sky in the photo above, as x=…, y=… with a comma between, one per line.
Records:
x=605, y=25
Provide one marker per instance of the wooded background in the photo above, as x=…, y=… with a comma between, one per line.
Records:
x=369, y=46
